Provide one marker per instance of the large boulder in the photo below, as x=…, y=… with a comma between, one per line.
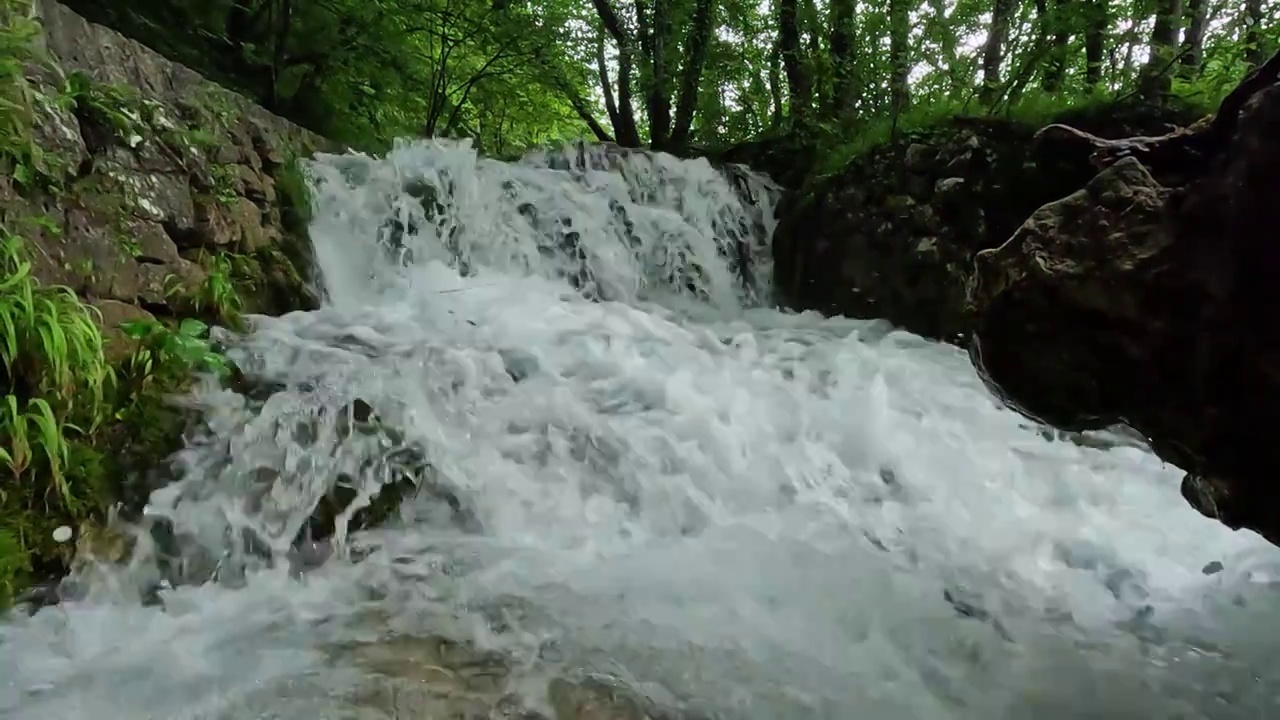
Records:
x=1148, y=297
x=892, y=232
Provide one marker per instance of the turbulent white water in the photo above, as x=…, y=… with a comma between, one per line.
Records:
x=736, y=511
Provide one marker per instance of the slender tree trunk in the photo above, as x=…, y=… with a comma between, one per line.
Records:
x=899, y=56
x=843, y=70
x=1057, y=37
x=993, y=49
x=1097, y=24
x=654, y=24
x=695, y=59
x=1155, y=76
x=776, y=114
x=624, y=129
x=799, y=84
x=1254, y=52
x=1196, y=17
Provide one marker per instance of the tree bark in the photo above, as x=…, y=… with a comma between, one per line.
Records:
x=993, y=49
x=695, y=59
x=799, y=85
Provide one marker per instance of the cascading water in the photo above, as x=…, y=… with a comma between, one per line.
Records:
x=633, y=468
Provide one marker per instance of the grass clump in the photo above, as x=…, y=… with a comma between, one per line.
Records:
x=66, y=406
x=114, y=107
x=57, y=378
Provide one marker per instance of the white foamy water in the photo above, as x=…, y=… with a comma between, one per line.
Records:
x=735, y=511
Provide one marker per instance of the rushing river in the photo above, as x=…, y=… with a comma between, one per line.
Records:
x=638, y=473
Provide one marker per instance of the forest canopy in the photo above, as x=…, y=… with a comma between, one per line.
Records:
x=679, y=73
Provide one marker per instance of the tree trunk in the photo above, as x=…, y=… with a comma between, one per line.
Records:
x=1096, y=26
x=1056, y=36
x=993, y=49
x=799, y=85
x=899, y=56
x=843, y=70
x=1196, y=17
x=1254, y=52
x=654, y=25
x=775, y=85
x=1155, y=78
x=624, y=124
x=695, y=59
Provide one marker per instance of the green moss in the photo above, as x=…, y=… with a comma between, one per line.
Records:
x=223, y=178
x=294, y=194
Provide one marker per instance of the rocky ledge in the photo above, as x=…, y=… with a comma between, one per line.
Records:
x=139, y=204
x=892, y=233
x=1148, y=297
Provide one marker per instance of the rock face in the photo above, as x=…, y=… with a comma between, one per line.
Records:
x=1148, y=297
x=893, y=233
x=156, y=184
x=138, y=203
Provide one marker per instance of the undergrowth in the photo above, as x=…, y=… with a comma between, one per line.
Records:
x=63, y=403
x=21, y=158
x=841, y=145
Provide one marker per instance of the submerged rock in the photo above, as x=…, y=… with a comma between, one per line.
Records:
x=436, y=677
x=1148, y=297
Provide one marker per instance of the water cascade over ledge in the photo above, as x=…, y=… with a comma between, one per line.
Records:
x=632, y=469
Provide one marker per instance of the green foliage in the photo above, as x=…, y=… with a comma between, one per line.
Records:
x=117, y=108
x=224, y=183
x=1035, y=110
x=57, y=376
x=218, y=294
x=515, y=73
x=294, y=192
x=165, y=358
x=20, y=156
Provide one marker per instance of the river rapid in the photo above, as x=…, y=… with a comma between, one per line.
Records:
x=639, y=475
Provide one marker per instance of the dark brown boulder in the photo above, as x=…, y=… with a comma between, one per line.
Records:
x=1149, y=297
x=893, y=232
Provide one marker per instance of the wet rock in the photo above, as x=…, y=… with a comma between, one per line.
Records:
x=520, y=364
x=114, y=313
x=1078, y=251
x=234, y=224
x=1147, y=296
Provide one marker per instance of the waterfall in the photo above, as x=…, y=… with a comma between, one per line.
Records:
x=548, y=435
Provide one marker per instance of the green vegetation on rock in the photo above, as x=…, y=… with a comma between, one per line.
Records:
x=67, y=406
x=128, y=225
